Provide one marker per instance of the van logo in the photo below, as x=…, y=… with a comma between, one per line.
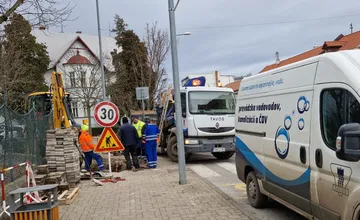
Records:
x=217, y=118
x=342, y=176
x=217, y=125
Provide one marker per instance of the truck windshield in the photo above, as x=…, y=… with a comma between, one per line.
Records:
x=211, y=102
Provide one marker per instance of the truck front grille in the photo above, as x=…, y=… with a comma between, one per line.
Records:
x=216, y=130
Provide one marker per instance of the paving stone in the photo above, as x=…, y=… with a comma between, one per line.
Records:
x=152, y=194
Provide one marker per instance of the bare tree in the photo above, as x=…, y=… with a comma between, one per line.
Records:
x=83, y=82
x=158, y=46
x=37, y=12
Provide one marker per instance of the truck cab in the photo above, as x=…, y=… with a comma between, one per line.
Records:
x=208, y=115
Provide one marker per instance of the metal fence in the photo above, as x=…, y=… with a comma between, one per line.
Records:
x=22, y=137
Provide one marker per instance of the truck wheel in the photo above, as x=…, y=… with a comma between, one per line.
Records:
x=171, y=150
x=223, y=155
x=255, y=197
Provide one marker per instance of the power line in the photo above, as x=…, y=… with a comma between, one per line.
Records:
x=271, y=23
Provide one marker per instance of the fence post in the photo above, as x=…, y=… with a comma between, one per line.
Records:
x=7, y=142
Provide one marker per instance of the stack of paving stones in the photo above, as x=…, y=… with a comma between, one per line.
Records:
x=42, y=173
x=50, y=150
x=62, y=155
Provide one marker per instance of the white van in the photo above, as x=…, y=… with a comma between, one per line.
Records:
x=298, y=137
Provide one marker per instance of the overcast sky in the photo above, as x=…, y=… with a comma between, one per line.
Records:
x=231, y=36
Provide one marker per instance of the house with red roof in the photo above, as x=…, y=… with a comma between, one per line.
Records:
x=347, y=42
x=77, y=56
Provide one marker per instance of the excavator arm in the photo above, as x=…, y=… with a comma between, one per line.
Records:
x=62, y=112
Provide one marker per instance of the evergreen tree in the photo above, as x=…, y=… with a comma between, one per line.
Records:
x=23, y=62
x=132, y=69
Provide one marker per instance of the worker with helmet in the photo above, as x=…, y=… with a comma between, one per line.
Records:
x=139, y=125
x=87, y=146
x=150, y=136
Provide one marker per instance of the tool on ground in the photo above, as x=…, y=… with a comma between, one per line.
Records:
x=97, y=182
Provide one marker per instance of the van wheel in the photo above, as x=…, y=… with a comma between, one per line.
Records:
x=223, y=155
x=255, y=197
x=172, y=150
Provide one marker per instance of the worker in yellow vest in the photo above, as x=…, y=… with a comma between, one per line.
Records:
x=139, y=125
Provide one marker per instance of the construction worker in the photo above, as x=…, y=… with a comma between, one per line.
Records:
x=128, y=136
x=139, y=125
x=87, y=146
x=151, y=137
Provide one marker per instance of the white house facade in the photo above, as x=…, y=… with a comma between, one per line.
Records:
x=76, y=56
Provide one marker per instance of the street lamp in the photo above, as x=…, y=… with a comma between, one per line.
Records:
x=185, y=33
x=101, y=55
x=178, y=116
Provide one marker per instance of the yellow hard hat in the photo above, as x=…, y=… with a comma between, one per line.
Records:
x=84, y=127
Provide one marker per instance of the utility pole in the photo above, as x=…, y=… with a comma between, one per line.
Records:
x=102, y=67
x=101, y=53
x=178, y=115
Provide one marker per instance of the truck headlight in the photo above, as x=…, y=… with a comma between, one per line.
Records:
x=190, y=141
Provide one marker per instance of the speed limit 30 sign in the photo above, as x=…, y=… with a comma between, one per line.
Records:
x=106, y=114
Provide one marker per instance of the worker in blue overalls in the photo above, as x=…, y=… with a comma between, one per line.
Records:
x=150, y=136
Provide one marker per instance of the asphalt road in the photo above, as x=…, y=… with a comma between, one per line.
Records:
x=222, y=173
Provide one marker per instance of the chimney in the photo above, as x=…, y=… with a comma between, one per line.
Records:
x=78, y=32
x=217, y=78
x=315, y=46
x=277, y=61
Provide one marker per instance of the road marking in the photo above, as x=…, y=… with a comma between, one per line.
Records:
x=228, y=166
x=203, y=171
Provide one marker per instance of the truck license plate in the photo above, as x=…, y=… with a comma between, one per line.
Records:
x=218, y=149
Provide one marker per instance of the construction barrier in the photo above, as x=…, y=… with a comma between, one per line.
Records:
x=30, y=181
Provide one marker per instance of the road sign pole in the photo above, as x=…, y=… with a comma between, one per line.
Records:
x=109, y=158
x=143, y=109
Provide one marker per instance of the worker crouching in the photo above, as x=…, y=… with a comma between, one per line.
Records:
x=150, y=136
x=87, y=146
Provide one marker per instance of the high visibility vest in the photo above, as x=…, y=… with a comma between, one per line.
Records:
x=139, y=125
x=85, y=141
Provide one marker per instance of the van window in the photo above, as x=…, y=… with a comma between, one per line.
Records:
x=338, y=107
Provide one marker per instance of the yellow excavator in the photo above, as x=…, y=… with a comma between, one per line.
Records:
x=57, y=100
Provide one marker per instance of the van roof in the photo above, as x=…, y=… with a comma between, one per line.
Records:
x=205, y=88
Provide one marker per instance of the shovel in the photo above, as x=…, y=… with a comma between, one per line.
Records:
x=97, y=182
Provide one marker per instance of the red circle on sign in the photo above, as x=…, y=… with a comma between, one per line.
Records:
x=99, y=120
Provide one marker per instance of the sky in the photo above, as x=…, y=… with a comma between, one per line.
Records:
x=234, y=37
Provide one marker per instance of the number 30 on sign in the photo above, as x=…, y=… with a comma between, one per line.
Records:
x=106, y=114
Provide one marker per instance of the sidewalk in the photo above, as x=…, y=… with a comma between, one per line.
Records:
x=152, y=194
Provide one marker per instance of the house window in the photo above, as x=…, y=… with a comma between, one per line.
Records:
x=85, y=110
x=75, y=109
x=72, y=79
x=338, y=107
x=83, y=79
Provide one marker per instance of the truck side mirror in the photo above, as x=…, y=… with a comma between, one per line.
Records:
x=348, y=142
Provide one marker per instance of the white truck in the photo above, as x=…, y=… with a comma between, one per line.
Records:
x=208, y=117
x=298, y=136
